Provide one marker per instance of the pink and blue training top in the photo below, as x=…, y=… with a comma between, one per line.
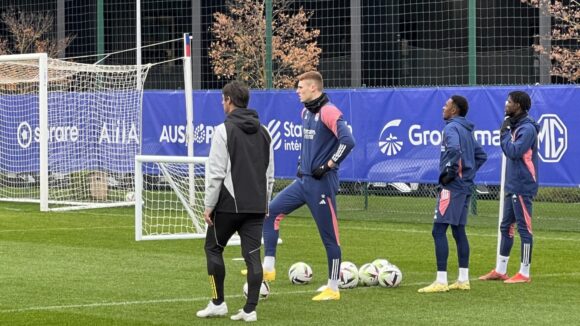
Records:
x=520, y=146
x=325, y=136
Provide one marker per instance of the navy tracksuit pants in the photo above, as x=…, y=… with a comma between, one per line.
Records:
x=517, y=210
x=320, y=196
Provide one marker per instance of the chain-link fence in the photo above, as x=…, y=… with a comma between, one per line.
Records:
x=554, y=208
x=362, y=43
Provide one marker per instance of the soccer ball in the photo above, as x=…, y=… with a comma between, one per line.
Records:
x=381, y=263
x=390, y=277
x=130, y=196
x=348, y=278
x=264, y=290
x=300, y=273
x=368, y=275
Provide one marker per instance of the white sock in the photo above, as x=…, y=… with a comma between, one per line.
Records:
x=501, y=265
x=269, y=262
x=332, y=284
x=463, y=275
x=442, y=277
x=525, y=269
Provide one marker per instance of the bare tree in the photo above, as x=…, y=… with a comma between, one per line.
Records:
x=565, y=37
x=3, y=46
x=239, y=46
x=29, y=32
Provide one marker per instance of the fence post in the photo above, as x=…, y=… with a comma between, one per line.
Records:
x=268, y=66
x=472, y=43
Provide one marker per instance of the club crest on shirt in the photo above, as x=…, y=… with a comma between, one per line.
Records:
x=316, y=117
x=309, y=133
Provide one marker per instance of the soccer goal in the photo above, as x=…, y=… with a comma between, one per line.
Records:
x=169, y=197
x=69, y=132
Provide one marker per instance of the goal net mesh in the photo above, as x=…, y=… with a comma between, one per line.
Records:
x=94, y=131
x=170, y=198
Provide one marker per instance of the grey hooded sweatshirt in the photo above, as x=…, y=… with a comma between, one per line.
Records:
x=240, y=169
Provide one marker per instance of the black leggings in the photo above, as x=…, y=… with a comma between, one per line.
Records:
x=249, y=227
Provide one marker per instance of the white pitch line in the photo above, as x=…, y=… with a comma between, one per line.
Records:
x=12, y=209
x=101, y=214
x=124, y=303
x=157, y=301
x=66, y=229
x=100, y=304
x=85, y=213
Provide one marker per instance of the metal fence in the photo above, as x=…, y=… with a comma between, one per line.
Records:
x=363, y=43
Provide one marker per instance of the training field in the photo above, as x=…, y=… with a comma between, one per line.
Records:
x=84, y=268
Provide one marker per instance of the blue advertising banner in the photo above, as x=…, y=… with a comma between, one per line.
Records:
x=81, y=135
x=397, y=131
x=402, y=131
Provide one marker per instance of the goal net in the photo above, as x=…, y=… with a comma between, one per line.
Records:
x=169, y=197
x=69, y=132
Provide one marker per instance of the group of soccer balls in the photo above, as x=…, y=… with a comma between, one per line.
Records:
x=379, y=272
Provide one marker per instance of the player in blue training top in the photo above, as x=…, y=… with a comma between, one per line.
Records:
x=326, y=141
x=519, y=143
x=461, y=157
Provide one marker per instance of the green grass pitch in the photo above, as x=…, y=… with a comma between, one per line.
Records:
x=84, y=268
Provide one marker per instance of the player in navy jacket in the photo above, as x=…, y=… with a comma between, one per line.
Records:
x=519, y=143
x=461, y=157
x=326, y=141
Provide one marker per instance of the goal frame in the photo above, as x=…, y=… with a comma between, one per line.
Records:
x=139, y=159
x=42, y=59
x=40, y=69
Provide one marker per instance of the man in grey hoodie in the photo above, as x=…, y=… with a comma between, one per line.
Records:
x=239, y=181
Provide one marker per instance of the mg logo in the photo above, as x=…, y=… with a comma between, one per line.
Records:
x=553, y=138
x=24, y=134
x=389, y=144
x=276, y=133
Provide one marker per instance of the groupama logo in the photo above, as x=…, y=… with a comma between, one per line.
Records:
x=388, y=143
x=552, y=139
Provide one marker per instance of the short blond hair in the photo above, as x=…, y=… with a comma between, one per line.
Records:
x=315, y=76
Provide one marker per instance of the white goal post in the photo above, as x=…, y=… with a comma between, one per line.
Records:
x=69, y=132
x=169, y=197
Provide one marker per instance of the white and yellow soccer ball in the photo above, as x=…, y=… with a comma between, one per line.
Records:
x=264, y=290
x=381, y=263
x=368, y=275
x=300, y=273
x=348, y=277
x=390, y=277
x=130, y=196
